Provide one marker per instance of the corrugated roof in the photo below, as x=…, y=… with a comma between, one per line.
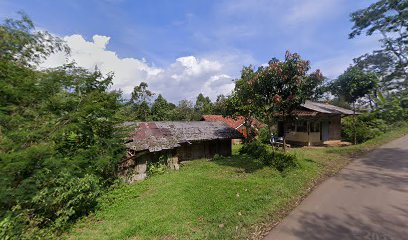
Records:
x=326, y=108
x=156, y=136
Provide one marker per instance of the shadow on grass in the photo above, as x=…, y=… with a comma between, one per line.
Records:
x=245, y=162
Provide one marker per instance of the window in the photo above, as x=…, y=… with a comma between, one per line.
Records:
x=301, y=126
x=315, y=127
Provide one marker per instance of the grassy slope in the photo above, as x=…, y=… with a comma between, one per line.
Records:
x=221, y=199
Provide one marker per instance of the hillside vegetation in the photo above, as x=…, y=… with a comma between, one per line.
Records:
x=225, y=198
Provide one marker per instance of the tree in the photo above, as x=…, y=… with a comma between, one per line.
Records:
x=143, y=112
x=220, y=105
x=22, y=44
x=354, y=84
x=243, y=98
x=388, y=18
x=59, y=135
x=283, y=86
x=184, y=111
x=203, y=104
x=141, y=94
x=161, y=109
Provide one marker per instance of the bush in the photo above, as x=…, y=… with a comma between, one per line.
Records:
x=263, y=136
x=159, y=167
x=279, y=160
x=276, y=159
x=255, y=148
x=367, y=127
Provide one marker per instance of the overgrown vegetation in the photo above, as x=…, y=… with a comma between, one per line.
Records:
x=268, y=156
x=236, y=197
x=59, y=140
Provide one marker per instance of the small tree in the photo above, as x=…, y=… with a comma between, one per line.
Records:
x=243, y=99
x=352, y=85
x=281, y=87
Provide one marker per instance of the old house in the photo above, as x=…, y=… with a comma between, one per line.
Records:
x=177, y=141
x=236, y=123
x=315, y=124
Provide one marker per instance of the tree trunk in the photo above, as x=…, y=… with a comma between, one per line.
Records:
x=354, y=123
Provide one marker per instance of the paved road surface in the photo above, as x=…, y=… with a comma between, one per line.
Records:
x=366, y=200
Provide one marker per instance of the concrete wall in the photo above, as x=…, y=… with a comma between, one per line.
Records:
x=314, y=138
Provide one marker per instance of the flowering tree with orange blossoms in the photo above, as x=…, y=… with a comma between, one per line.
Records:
x=282, y=86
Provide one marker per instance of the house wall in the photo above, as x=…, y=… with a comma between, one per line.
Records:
x=303, y=138
x=335, y=128
x=314, y=138
x=204, y=149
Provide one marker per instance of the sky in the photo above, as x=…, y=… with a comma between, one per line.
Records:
x=184, y=47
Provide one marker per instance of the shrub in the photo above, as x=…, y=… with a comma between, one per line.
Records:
x=158, y=167
x=279, y=160
x=263, y=136
x=276, y=159
x=367, y=127
x=255, y=149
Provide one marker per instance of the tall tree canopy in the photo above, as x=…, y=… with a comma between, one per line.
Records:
x=352, y=85
x=59, y=135
x=388, y=18
x=203, y=104
x=283, y=86
x=21, y=43
x=161, y=109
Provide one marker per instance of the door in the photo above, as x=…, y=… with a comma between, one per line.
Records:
x=324, y=133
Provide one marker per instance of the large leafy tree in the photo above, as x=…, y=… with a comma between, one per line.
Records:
x=22, y=44
x=389, y=19
x=203, y=105
x=59, y=135
x=354, y=84
x=283, y=86
x=139, y=102
x=161, y=109
x=242, y=101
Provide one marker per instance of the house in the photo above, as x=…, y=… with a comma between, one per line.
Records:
x=177, y=141
x=315, y=124
x=236, y=123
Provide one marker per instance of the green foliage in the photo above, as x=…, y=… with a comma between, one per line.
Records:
x=367, y=126
x=159, y=167
x=22, y=44
x=264, y=136
x=59, y=135
x=388, y=18
x=161, y=109
x=276, y=159
x=279, y=160
x=255, y=149
x=203, y=105
x=354, y=84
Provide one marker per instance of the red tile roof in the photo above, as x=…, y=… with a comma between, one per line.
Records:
x=234, y=123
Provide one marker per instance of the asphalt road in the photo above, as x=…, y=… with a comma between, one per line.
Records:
x=366, y=200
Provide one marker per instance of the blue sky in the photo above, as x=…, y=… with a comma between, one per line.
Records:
x=185, y=47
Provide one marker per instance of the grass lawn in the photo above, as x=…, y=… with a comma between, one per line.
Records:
x=227, y=198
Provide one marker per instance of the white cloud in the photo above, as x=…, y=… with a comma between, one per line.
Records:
x=183, y=79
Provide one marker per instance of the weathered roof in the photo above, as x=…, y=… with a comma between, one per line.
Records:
x=326, y=108
x=234, y=123
x=156, y=136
